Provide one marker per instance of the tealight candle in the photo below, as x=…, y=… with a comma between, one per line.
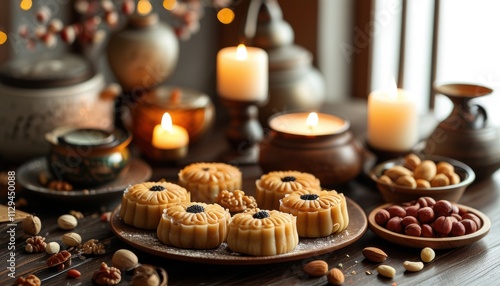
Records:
x=242, y=73
x=392, y=120
x=167, y=136
x=308, y=124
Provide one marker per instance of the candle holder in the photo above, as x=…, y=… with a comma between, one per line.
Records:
x=334, y=158
x=244, y=131
x=166, y=155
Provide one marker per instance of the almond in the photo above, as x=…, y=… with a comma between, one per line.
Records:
x=335, y=276
x=316, y=268
x=374, y=254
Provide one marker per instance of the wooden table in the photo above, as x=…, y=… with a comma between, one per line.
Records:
x=475, y=264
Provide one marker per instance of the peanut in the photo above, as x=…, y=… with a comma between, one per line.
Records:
x=386, y=271
x=413, y=266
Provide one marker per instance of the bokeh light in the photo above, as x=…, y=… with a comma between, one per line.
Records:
x=26, y=4
x=144, y=7
x=169, y=4
x=3, y=37
x=225, y=15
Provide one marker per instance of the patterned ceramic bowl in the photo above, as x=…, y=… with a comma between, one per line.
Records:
x=88, y=157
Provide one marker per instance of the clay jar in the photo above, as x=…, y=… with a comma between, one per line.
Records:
x=466, y=134
x=334, y=158
x=143, y=54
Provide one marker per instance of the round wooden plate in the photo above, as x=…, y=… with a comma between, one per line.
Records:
x=147, y=241
x=436, y=243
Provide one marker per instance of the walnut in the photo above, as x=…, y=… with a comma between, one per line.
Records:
x=94, y=247
x=60, y=186
x=148, y=275
x=35, y=244
x=106, y=275
x=236, y=201
x=76, y=214
x=30, y=280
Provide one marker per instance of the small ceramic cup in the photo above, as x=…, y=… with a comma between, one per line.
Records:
x=87, y=157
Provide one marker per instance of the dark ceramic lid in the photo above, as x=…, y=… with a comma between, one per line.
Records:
x=46, y=71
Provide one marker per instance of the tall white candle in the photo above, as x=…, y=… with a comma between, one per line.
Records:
x=242, y=73
x=392, y=120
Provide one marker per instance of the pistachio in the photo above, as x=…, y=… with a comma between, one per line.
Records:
x=67, y=222
x=31, y=225
x=386, y=271
x=413, y=266
x=72, y=239
x=316, y=268
x=374, y=254
x=427, y=254
x=124, y=259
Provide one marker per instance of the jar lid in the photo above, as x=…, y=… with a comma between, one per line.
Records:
x=288, y=57
x=96, y=139
x=47, y=71
x=170, y=97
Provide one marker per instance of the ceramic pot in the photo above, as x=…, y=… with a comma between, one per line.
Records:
x=143, y=54
x=334, y=158
x=40, y=94
x=87, y=157
x=294, y=84
x=466, y=135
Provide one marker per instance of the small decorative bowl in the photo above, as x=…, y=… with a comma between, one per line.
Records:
x=87, y=157
x=392, y=193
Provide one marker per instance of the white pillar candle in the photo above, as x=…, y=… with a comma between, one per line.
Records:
x=392, y=120
x=242, y=73
x=308, y=124
x=168, y=136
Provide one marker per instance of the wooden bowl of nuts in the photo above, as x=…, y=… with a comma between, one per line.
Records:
x=411, y=177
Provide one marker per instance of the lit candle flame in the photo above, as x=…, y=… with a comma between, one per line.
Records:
x=312, y=120
x=225, y=15
x=241, y=52
x=166, y=122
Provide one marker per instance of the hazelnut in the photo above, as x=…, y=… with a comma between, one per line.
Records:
x=426, y=202
x=396, y=210
x=470, y=225
x=412, y=210
x=427, y=230
x=443, y=208
x=413, y=229
x=443, y=225
x=425, y=215
x=382, y=216
x=457, y=228
x=473, y=217
x=394, y=225
x=409, y=220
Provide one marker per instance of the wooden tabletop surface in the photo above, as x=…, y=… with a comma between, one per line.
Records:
x=474, y=264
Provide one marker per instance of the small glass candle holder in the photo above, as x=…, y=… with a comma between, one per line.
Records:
x=328, y=150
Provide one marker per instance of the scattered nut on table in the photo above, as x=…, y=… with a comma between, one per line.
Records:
x=316, y=268
x=148, y=275
x=106, y=275
x=72, y=239
x=67, y=222
x=93, y=246
x=30, y=280
x=335, y=276
x=386, y=271
x=52, y=247
x=413, y=266
x=60, y=260
x=35, y=244
x=31, y=225
x=427, y=254
x=124, y=259
x=374, y=254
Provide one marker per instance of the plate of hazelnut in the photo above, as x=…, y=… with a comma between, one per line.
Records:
x=426, y=222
